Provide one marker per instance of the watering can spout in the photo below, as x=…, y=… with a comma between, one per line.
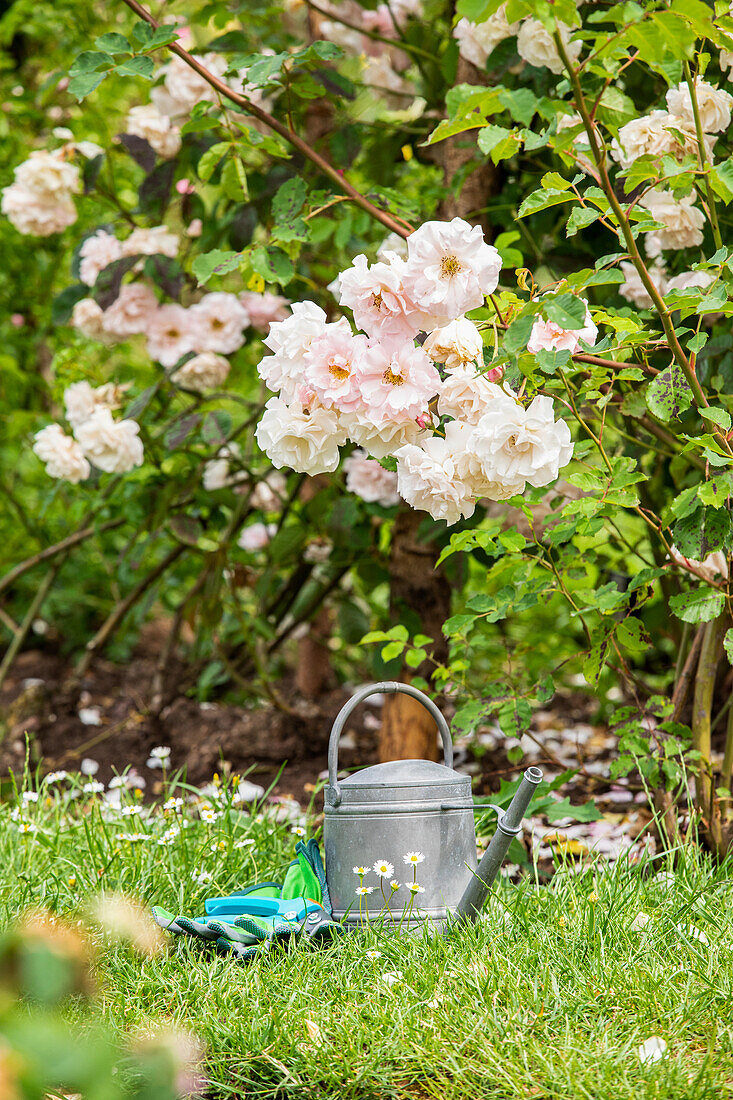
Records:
x=509, y=824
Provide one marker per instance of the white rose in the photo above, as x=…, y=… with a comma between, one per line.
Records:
x=512, y=443
x=713, y=104
x=632, y=288
x=379, y=438
x=150, y=242
x=683, y=222
x=307, y=441
x=476, y=41
x=370, y=481
x=216, y=472
x=537, y=47
x=644, y=136
x=62, y=455
x=98, y=251
x=184, y=87
x=256, y=536
x=456, y=343
x=269, y=494
x=49, y=173
x=466, y=395
x=81, y=400
x=131, y=311
x=206, y=371
x=111, y=445
x=428, y=479
x=157, y=129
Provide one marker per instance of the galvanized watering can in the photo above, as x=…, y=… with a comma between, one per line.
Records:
x=416, y=817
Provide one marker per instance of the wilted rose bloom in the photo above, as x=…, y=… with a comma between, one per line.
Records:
x=369, y=480
x=397, y=381
x=263, y=309
x=81, y=399
x=37, y=215
x=151, y=242
x=537, y=47
x=714, y=105
x=450, y=269
x=476, y=41
x=455, y=344
x=306, y=440
x=333, y=366
x=513, y=443
x=376, y=297
x=549, y=336
x=131, y=311
x=111, y=445
x=170, y=334
x=427, y=478
x=218, y=321
x=206, y=371
x=466, y=394
x=157, y=129
x=632, y=288
x=62, y=455
x=256, y=536
x=683, y=222
x=97, y=252
x=289, y=340
x=87, y=316
x=379, y=437
x=713, y=568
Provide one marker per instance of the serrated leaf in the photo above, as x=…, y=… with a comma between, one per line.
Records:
x=289, y=200
x=137, y=66
x=698, y=605
x=580, y=217
x=668, y=394
x=113, y=43
x=273, y=265
x=87, y=62
x=702, y=532
x=566, y=310
x=217, y=262
x=84, y=83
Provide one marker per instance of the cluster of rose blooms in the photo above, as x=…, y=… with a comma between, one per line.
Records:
x=659, y=133
x=382, y=65
x=457, y=437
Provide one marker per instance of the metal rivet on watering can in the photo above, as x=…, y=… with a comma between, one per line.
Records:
x=387, y=811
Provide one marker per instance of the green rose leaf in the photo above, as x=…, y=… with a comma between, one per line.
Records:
x=668, y=394
x=699, y=605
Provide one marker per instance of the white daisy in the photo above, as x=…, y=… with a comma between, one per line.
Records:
x=383, y=868
x=361, y=890
x=414, y=857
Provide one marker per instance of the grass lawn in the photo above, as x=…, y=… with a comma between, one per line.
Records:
x=551, y=996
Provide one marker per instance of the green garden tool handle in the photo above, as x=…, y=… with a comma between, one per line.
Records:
x=387, y=687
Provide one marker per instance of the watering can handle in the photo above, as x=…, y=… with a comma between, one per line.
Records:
x=388, y=687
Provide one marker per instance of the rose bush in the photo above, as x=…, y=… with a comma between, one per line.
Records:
x=255, y=184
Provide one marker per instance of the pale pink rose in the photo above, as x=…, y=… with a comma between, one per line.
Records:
x=380, y=437
x=98, y=251
x=268, y=494
x=536, y=46
x=548, y=336
x=263, y=309
x=219, y=320
x=206, y=371
x=632, y=288
x=370, y=481
x=17, y=320
x=512, y=442
x=481, y=479
x=87, y=316
x=111, y=445
x=428, y=479
x=306, y=440
x=217, y=473
x=397, y=381
x=195, y=228
x=62, y=455
x=450, y=269
x=715, y=566
x=161, y=134
x=333, y=367
x=289, y=340
x=170, y=334
x=132, y=310
x=686, y=280
x=256, y=536
x=375, y=295
x=455, y=344
x=476, y=41
x=37, y=214
x=466, y=395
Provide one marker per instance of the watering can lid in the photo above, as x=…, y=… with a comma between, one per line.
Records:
x=405, y=773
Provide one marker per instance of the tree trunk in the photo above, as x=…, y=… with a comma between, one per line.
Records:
x=314, y=659
x=707, y=802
